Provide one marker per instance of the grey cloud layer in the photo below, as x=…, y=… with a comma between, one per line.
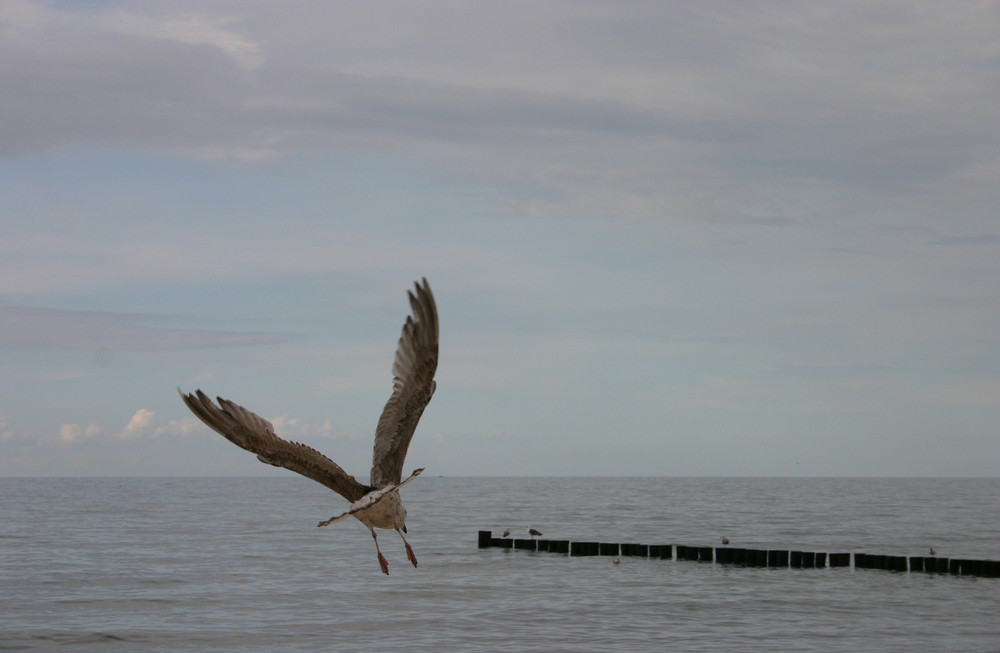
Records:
x=614, y=110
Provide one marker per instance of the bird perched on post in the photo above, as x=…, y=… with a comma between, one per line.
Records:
x=376, y=504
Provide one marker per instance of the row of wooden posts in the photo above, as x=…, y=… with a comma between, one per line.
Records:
x=750, y=557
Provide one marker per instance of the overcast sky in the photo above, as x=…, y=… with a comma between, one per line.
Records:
x=666, y=238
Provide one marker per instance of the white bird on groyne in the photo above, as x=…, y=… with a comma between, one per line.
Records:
x=377, y=504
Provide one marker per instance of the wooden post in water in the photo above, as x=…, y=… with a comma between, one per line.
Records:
x=609, y=549
x=635, y=550
x=751, y=557
x=584, y=548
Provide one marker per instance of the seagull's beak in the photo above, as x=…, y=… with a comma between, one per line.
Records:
x=404, y=528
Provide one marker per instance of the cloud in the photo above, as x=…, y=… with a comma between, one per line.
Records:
x=294, y=428
x=593, y=109
x=75, y=434
x=140, y=424
x=91, y=330
x=187, y=28
x=180, y=427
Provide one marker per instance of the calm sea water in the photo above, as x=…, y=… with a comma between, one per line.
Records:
x=237, y=564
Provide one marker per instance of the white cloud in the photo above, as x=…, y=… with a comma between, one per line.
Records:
x=188, y=28
x=74, y=433
x=294, y=428
x=180, y=427
x=140, y=424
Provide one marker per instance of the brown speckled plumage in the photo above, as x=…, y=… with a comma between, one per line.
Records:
x=376, y=504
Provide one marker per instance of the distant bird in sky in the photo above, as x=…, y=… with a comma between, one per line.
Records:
x=533, y=532
x=377, y=504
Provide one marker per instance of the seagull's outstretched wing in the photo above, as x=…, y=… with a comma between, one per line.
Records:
x=254, y=433
x=412, y=387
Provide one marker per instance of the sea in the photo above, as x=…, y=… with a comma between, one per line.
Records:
x=238, y=564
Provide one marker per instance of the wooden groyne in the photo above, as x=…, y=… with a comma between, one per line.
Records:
x=772, y=558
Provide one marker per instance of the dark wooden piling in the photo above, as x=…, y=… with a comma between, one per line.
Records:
x=936, y=565
x=609, y=549
x=961, y=566
x=635, y=550
x=559, y=546
x=751, y=557
x=993, y=568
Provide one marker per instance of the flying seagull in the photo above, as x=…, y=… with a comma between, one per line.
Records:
x=376, y=504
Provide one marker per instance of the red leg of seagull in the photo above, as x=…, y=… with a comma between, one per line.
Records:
x=409, y=550
x=382, y=562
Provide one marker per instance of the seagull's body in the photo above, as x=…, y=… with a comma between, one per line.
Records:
x=377, y=504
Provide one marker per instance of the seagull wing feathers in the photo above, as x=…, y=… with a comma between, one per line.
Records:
x=254, y=433
x=412, y=387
